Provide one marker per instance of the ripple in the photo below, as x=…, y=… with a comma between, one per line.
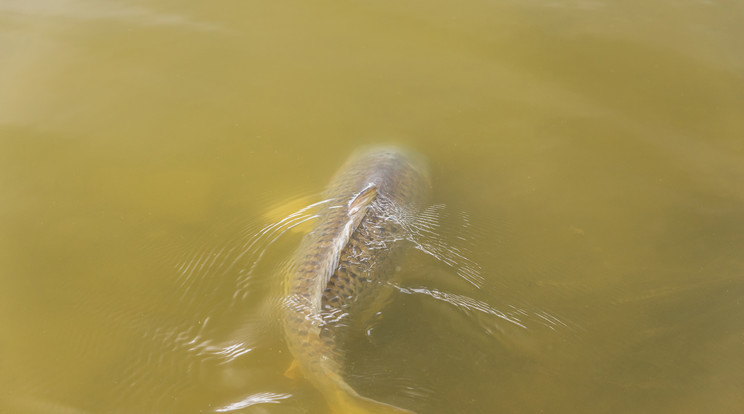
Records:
x=448, y=241
x=467, y=303
x=259, y=398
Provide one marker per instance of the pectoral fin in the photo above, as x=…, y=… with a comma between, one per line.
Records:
x=292, y=212
x=294, y=372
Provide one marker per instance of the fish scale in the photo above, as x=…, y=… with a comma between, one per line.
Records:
x=344, y=261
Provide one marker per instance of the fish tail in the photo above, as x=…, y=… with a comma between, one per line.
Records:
x=346, y=403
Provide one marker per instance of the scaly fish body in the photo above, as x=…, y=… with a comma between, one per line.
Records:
x=342, y=263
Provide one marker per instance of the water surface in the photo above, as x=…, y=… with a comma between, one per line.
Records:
x=588, y=156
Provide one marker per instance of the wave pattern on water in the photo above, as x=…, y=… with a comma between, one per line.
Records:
x=425, y=236
x=219, y=311
x=467, y=303
x=254, y=399
x=243, y=253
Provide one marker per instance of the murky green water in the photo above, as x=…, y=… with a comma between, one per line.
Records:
x=595, y=149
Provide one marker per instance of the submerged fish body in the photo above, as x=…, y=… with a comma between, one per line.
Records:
x=345, y=260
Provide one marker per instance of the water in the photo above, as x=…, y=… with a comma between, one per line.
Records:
x=590, y=153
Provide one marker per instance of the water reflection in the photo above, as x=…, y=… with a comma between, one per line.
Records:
x=99, y=10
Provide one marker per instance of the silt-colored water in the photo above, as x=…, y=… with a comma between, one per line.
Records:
x=588, y=156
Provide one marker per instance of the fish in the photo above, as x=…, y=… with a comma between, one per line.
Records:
x=343, y=264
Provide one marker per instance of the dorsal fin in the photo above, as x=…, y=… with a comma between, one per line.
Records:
x=357, y=209
x=359, y=203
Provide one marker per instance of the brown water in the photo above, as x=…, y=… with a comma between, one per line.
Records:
x=595, y=149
